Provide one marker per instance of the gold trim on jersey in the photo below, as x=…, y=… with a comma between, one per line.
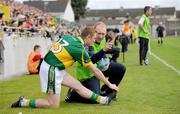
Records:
x=65, y=57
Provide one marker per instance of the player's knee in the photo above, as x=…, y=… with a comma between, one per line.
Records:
x=52, y=104
x=118, y=71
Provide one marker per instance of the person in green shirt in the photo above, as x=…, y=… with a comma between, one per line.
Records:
x=113, y=70
x=144, y=35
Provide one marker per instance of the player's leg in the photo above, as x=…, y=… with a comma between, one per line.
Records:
x=70, y=82
x=159, y=40
x=51, y=79
x=141, y=47
x=92, y=83
x=146, y=46
x=51, y=102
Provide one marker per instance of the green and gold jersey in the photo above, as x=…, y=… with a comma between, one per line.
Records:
x=66, y=51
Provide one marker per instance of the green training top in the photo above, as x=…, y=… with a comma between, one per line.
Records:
x=146, y=26
x=84, y=73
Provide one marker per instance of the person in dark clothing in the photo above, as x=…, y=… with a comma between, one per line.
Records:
x=114, y=71
x=123, y=39
x=115, y=51
x=160, y=32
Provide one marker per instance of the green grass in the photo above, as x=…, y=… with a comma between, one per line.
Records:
x=153, y=89
x=170, y=51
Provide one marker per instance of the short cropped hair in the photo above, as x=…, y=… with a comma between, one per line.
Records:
x=146, y=8
x=36, y=47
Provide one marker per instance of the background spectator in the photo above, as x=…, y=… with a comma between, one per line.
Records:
x=160, y=32
x=34, y=60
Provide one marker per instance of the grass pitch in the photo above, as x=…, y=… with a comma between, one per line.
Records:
x=152, y=89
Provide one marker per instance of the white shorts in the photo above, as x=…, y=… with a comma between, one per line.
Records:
x=51, y=78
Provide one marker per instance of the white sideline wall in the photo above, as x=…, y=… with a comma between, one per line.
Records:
x=16, y=52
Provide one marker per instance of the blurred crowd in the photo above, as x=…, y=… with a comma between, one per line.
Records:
x=28, y=20
x=25, y=18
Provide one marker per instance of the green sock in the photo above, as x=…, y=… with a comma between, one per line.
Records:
x=97, y=98
x=32, y=103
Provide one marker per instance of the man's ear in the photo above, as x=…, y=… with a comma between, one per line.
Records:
x=88, y=37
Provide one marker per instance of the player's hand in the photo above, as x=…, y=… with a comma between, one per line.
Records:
x=108, y=46
x=113, y=87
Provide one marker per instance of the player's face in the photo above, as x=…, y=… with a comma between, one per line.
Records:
x=93, y=39
x=90, y=40
x=150, y=12
x=101, y=32
x=38, y=50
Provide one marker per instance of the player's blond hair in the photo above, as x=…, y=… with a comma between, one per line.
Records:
x=99, y=23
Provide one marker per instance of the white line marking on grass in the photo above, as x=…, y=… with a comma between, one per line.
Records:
x=165, y=63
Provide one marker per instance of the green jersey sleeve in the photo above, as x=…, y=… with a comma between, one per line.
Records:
x=82, y=57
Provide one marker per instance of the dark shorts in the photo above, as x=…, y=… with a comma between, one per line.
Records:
x=160, y=35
